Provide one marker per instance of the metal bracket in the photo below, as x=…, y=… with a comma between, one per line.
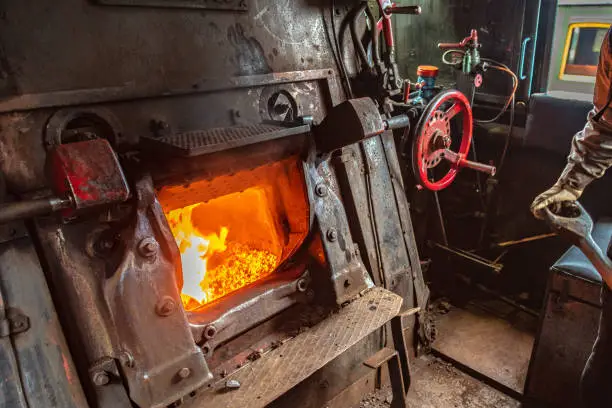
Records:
x=15, y=322
x=397, y=360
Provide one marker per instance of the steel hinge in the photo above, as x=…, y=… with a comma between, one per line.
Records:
x=14, y=322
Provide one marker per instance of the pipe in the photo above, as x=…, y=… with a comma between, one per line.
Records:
x=414, y=10
x=356, y=41
x=31, y=208
x=375, y=37
x=397, y=122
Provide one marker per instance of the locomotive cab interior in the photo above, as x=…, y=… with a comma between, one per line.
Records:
x=511, y=311
x=314, y=203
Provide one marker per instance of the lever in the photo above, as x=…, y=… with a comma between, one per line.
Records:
x=483, y=168
x=460, y=161
x=472, y=38
x=414, y=10
x=83, y=175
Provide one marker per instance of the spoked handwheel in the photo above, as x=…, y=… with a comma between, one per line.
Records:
x=433, y=141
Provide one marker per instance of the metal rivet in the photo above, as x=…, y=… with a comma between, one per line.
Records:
x=210, y=332
x=166, y=306
x=321, y=190
x=332, y=235
x=184, y=372
x=100, y=378
x=148, y=247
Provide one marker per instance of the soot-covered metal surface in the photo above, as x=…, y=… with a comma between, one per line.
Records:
x=139, y=75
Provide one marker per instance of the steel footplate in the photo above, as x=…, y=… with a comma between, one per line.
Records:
x=202, y=142
x=281, y=369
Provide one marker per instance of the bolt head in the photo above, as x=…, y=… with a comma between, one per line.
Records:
x=184, y=372
x=148, y=247
x=210, y=332
x=166, y=306
x=321, y=190
x=101, y=378
x=332, y=235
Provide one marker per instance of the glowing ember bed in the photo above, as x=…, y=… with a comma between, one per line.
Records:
x=231, y=239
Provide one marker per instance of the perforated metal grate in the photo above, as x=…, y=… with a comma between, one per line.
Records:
x=213, y=140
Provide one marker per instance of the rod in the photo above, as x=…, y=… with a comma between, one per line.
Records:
x=441, y=219
x=528, y=239
x=415, y=10
x=31, y=208
x=472, y=257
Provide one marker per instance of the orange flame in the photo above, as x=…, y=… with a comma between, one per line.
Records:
x=212, y=265
x=235, y=229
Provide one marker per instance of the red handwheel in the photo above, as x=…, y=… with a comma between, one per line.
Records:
x=433, y=141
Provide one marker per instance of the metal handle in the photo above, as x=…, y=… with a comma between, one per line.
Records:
x=460, y=161
x=473, y=38
x=414, y=10
x=484, y=168
x=449, y=46
x=524, y=44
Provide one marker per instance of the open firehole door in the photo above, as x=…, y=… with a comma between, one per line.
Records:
x=235, y=230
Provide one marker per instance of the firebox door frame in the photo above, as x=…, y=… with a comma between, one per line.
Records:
x=344, y=275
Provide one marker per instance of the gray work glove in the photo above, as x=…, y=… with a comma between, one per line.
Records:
x=554, y=195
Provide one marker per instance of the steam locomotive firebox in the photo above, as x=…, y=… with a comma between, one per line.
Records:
x=229, y=241
x=213, y=233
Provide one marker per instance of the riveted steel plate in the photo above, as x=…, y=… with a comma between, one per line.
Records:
x=201, y=142
x=276, y=372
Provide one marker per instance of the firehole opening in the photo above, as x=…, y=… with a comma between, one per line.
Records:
x=236, y=229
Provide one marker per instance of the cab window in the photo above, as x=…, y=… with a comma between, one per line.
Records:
x=581, y=54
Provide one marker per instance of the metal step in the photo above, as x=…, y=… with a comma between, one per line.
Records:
x=281, y=369
x=200, y=142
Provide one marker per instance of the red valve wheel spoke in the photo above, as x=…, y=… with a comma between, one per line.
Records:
x=453, y=111
x=433, y=138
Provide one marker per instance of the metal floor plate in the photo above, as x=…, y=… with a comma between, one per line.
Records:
x=281, y=369
x=489, y=345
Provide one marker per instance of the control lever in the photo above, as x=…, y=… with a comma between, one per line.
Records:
x=572, y=221
x=472, y=40
x=393, y=9
x=82, y=175
x=460, y=161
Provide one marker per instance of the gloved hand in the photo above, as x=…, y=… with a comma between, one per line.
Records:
x=554, y=195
